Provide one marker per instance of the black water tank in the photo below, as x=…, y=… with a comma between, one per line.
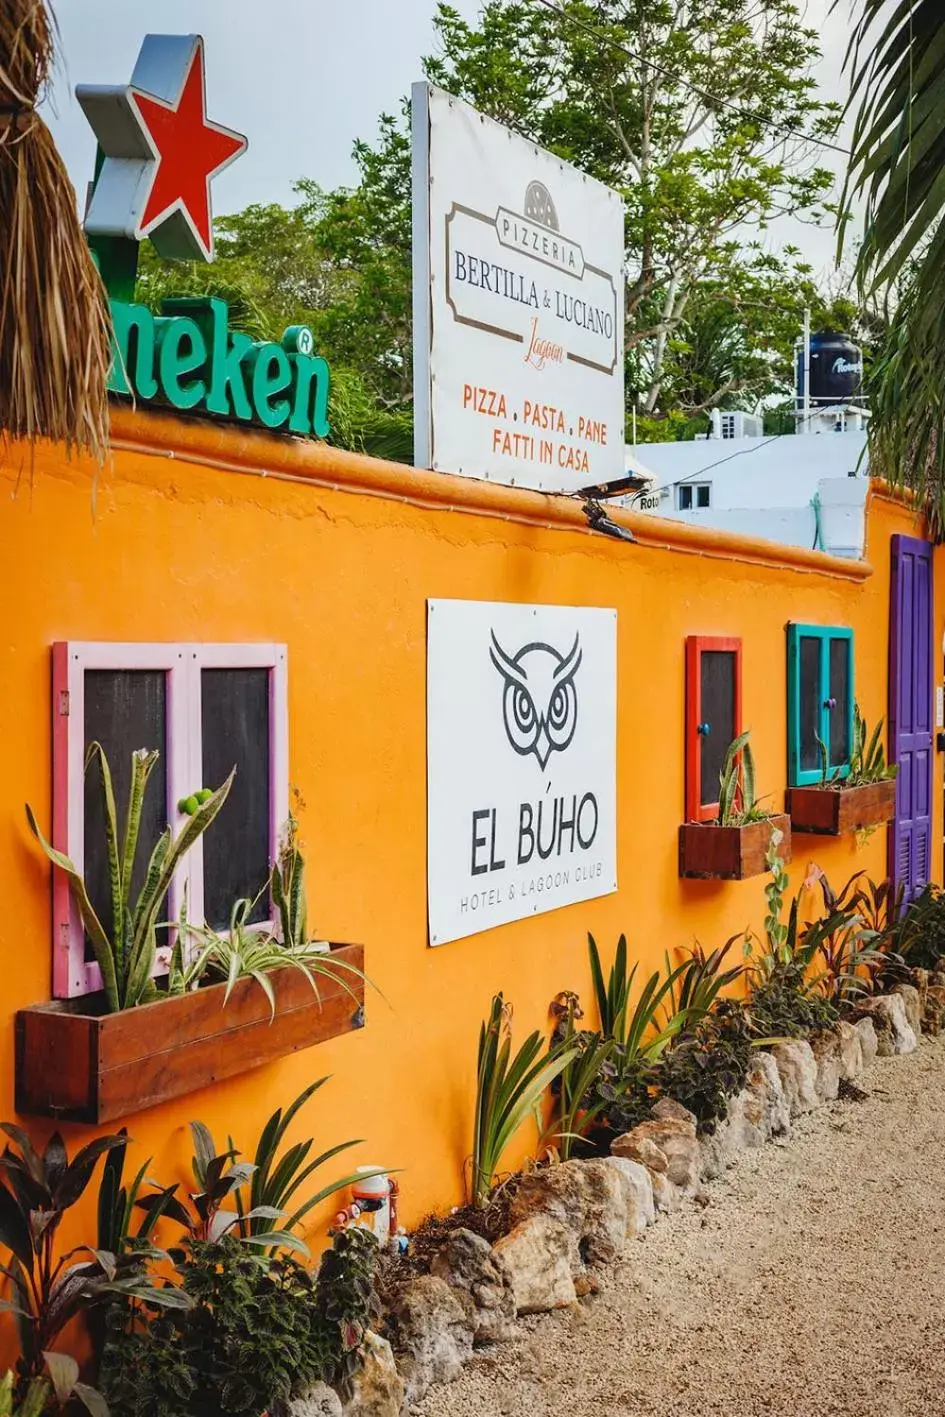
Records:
x=836, y=369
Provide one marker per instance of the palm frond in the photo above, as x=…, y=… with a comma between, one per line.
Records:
x=55, y=330
x=896, y=61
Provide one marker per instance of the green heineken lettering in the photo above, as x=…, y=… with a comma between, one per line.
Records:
x=272, y=374
x=133, y=351
x=181, y=350
x=189, y=358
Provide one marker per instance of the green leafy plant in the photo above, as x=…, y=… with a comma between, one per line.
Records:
x=917, y=934
x=278, y=1178
x=776, y=932
x=867, y=758
x=696, y=987
x=33, y=1401
x=508, y=1090
x=288, y=888
x=56, y=1390
x=614, y=995
x=47, y=1289
x=578, y=1107
x=787, y=983
x=635, y=1030
x=219, y=1178
x=622, y=1092
x=245, y=951
x=854, y=953
x=738, y=803
x=126, y=953
x=118, y=1202
x=258, y=1331
x=709, y=1066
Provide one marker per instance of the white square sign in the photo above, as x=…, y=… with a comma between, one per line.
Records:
x=521, y=761
x=518, y=294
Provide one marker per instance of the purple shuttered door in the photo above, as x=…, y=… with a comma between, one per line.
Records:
x=910, y=712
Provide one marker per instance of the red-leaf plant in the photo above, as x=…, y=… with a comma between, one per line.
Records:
x=46, y=1289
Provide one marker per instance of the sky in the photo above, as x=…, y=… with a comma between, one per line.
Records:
x=304, y=78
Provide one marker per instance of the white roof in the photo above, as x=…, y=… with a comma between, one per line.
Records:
x=771, y=472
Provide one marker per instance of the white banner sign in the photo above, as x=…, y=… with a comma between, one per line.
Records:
x=517, y=306
x=521, y=761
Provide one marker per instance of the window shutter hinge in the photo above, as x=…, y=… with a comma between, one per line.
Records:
x=63, y=703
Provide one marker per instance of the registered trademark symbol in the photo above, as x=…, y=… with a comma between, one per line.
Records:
x=306, y=342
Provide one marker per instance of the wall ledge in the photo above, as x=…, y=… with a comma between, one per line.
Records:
x=252, y=452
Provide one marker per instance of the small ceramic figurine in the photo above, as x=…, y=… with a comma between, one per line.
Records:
x=373, y=1204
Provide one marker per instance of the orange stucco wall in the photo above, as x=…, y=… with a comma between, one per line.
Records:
x=335, y=556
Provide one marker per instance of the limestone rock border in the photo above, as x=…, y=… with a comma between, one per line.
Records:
x=580, y=1212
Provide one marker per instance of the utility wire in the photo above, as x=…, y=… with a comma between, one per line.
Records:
x=738, y=453
x=706, y=97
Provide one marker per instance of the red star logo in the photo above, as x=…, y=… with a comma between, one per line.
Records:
x=189, y=151
x=160, y=151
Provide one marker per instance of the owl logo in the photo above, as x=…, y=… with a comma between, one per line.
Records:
x=540, y=700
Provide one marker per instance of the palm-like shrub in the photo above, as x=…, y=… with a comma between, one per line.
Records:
x=898, y=155
x=509, y=1090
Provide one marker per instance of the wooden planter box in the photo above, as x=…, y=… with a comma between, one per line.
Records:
x=79, y=1064
x=831, y=811
x=730, y=853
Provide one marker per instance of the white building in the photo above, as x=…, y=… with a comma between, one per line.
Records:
x=801, y=490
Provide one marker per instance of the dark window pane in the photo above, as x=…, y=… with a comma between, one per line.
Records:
x=811, y=700
x=234, y=714
x=702, y=496
x=840, y=711
x=717, y=673
x=685, y=499
x=124, y=710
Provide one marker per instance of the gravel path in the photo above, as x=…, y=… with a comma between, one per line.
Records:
x=812, y=1283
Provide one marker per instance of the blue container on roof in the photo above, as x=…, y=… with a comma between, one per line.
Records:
x=836, y=370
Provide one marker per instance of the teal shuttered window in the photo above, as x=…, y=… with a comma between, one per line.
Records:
x=820, y=701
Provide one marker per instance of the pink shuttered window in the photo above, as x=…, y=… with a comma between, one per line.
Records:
x=201, y=705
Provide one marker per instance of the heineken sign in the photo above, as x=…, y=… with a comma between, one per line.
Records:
x=158, y=153
x=188, y=358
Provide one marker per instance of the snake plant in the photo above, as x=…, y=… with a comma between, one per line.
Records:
x=126, y=952
x=738, y=804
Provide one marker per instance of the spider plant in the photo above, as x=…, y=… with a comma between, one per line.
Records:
x=126, y=953
x=202, y=954
x=508, y=1090
x=276, y=1179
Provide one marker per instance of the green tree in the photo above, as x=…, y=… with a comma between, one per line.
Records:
x=735, y=346
x=698, y=114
